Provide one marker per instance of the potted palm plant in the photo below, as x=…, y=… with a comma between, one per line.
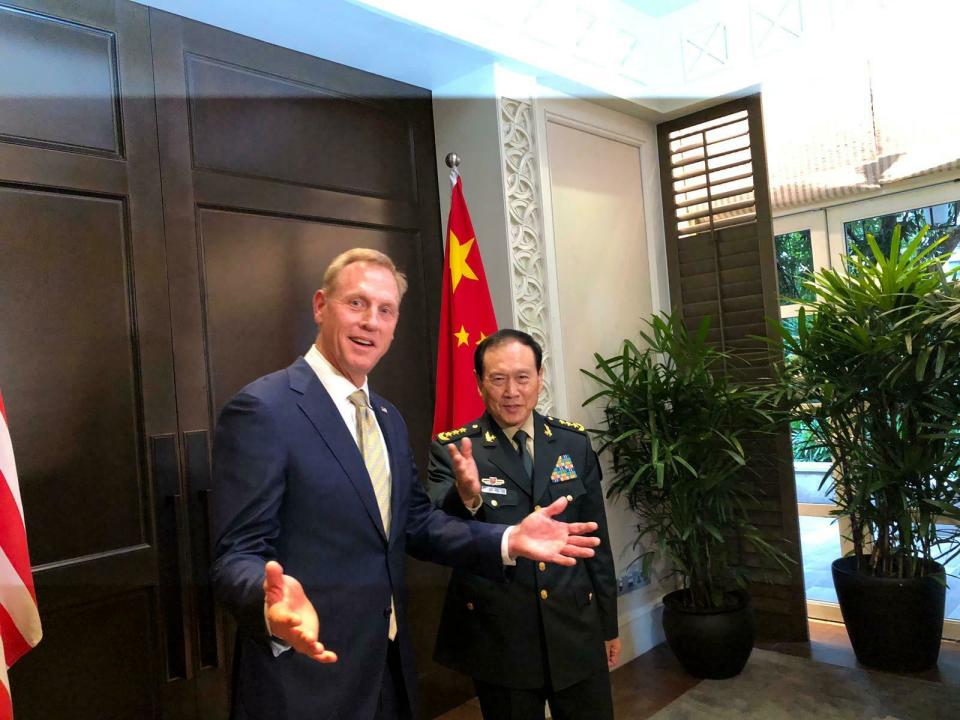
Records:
x=873, y=375
x=674, y=426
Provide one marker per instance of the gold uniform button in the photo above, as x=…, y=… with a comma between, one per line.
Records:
x=542, y=566
x=536, y=508
x=569, y=498
x=469, y=606
x=494, y=503
x=544, y=594
x=589, y=596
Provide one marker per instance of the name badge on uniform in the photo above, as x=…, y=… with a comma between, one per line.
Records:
x=563, y=470
x=493, y=490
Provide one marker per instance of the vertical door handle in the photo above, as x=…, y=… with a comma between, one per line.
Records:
x=163, y=456
x=197, y=447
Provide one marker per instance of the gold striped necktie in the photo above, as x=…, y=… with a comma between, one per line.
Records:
x=371, y=447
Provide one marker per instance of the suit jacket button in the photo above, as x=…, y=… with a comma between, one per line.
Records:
x=542, y=565
x=469, y=606
x=569, y=498
x=494, y=503
x=589, y=596
x=544, y=594
x=536, y=508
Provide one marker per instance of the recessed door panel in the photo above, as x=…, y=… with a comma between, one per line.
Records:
x=69, y=371
x=66, y=94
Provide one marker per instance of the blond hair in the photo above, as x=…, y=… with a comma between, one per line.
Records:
x=364, y=255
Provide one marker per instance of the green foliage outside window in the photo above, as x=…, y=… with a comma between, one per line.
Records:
x=794, y=263
x=942, y=219
x=806, y=446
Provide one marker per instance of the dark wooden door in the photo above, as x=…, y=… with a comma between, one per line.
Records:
x=86, y=361
x=273, y=163
x=170, y=195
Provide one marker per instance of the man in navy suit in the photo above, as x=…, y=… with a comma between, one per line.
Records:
x=314, y=476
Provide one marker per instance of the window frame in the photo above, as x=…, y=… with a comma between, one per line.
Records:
x=837, y=215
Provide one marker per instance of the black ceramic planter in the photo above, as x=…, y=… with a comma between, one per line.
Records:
x=893, y=624
x=713, y=644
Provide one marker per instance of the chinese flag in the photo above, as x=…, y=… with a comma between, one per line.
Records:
x=466, y=318
x=19, y=620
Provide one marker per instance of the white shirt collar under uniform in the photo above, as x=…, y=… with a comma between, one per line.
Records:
x=526, y=426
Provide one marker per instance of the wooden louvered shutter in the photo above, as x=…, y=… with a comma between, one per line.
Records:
x=721, y=262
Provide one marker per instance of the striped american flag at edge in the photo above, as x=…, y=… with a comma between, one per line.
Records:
x=19, y=618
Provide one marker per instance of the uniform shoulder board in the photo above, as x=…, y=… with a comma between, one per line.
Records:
x=568, y=424
x=450, y=435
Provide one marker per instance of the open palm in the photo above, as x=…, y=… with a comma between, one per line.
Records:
x=541, y=537
x=291, y=616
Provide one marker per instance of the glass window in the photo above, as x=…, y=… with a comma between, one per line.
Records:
x=820, y=545
x=809, y=475
x=944, y=219
x=952, y=606
x=805, y=446
x=794, y=263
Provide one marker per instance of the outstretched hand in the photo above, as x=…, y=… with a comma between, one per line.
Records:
x=540, y=537
x=290, y=614
x=465, y=471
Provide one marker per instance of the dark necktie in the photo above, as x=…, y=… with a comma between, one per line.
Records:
x=521, y=439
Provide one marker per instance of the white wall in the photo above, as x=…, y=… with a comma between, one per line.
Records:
x=466, y=121
x=608, y=273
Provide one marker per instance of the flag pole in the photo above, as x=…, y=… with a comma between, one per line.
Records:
x=466, y=314
x=453, y=162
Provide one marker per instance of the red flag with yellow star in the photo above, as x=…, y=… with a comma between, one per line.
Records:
x=466, y=318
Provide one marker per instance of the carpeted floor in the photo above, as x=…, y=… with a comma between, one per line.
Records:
x=775, y=686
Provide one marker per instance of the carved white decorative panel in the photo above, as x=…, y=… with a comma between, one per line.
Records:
x=653, y=54
x=775, y=25
x=604, y=42
x=705, y=51
x=525, y=223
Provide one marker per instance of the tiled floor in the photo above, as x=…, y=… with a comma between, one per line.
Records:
x=655, y=679
x=829, y=643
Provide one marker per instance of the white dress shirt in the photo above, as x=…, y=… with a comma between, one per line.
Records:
x=340, y=389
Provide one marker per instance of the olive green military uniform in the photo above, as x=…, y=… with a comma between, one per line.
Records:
x=545, y=629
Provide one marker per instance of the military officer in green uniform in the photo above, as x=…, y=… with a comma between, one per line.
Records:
x=550, y=634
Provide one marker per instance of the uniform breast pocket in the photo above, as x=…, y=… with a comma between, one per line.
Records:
x=499, y=498
x=570, y=489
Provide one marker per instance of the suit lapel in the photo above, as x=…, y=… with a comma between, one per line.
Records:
x=317, y=405
x=504, y=456
x=544, y=455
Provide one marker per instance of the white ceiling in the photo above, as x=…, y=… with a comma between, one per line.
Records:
x=649, y=56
